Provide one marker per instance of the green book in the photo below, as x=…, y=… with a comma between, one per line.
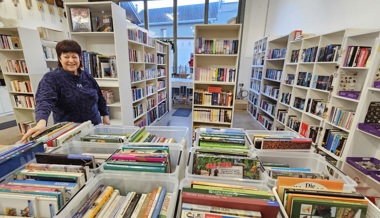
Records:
x=135, y=168
x=231, y=192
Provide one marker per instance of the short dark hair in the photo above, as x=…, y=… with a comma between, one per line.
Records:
x=66, y=46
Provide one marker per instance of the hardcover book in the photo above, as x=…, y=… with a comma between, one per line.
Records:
x=81, y=19
x=104, y=23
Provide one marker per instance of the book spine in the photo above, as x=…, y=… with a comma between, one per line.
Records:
x=105, y=208
x=99, y=202
x=159, y=203
x=80, y=213
x=139, y=205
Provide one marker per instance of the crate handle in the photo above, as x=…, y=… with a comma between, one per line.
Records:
x=188, y=160
x=179, y=159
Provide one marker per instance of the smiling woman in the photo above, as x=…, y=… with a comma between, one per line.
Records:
x=70, y=93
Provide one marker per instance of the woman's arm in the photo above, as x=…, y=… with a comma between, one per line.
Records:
x=35, y=131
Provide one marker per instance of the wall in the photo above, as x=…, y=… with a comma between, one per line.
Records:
x=31, y=18
x=311, y=16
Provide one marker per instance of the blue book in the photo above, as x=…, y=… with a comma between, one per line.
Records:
x=160, y=201
x=330, y=141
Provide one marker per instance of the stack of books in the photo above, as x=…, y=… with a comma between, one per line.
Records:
x=285, y=140
x=41, y=190
x=206, y=199
x=319, y=198
x=222, y=138
x=226, y=163
x=142, y=135
x=150, y=158
x=106, y=201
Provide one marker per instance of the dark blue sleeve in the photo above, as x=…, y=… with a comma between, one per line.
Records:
x=46, y=97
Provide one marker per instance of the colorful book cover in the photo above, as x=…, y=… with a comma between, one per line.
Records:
x=222, y=210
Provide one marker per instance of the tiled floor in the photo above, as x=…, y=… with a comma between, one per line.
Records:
x=241, y=120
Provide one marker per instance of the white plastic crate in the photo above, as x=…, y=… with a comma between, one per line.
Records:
x=177, y=162
x=108, y=129
x=186, y=183
x=179, y=133
x=315, y=162
x=198, y=131
x=125, y=184
x=78, y=147
x=189, y=171
x=372, y=212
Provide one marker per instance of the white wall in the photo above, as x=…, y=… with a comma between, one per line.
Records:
x=311, y=16
x=32, y=18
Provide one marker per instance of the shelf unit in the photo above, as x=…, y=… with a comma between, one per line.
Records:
x=215, y=74
x=49, y=39
x=108, y=44
x=22, y=84
x=148, y=62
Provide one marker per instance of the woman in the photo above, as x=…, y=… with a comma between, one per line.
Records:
x=70, y=93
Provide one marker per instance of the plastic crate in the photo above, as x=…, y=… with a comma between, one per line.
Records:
x=315, y=162
x=108, y=129
x=189, y=171
x=124, y=183
x=198, y=131
x=179, y=133
x=78, y=147
x=186, y=182
x=176, y=160
x=372, y=212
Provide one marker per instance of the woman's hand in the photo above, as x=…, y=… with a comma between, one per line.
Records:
x=35, y=131
x=106, y=120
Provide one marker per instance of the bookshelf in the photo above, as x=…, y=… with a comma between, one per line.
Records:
x=148, y=61
x=215, y=74
x=49, y=39
x=23, y=67
x=110, y=44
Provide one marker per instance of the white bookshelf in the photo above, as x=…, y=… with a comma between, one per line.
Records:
x=217, y=115
x=109, y=44
x=32, y=53
x=49, y=40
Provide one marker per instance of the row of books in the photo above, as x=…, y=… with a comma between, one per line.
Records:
x=309, y=54
x=341, y=117
x=273, y=74
x=221, y=138
x=137, y=75
x=15, y=66
x=334, y=141
x=285, y=98
x=140, y=36
x=160, y=48
x=276, y=53
x=202, y=97
x=212, y=199
x=317, y=107
x=108, y=96
x=256, y=86
x=299, y=103
x=304, y=79
x=282, y=115
x=49, y=52
x=215, y=74
x=160, y=84
x=137, y=93
x=257, y=73
x=160, y=59
x=253, y=97
x=289, y=79
x=148, y=158
x=216, y=46
x=151, y=103
x=271, y=91
x=161, y=96
x=149, y=58
x=10, y=42
x=21, y=86
x=98, y=65
x=265, y=121
x=309, y=131
x=161, y=72
x=24, y=101
x=212, y=115
x=268, y=107
x=301, y=198
x=41, y=190
x=150, y=89
x=259, y=60
x=294, y=56
x=141, y=122
x=356, y=56
x=330, y=53
x=151, y=116
x=322, y=82
x=138, y=110
x=161, y=109
x=142, y=135
x=293, y=122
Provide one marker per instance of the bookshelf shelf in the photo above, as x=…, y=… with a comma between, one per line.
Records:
x=301, y=87
x=137, y=82
x=150, y=95
x=354, y=68
x=329, y=153
x=267, y=113
x=291, y=64
x=369, y=134
x=22, y=93
x=374, y=89
x=212, y=106
x=314, y=116
x=289, y=85
x=160, y=90
x=217, y=55
x=11, y=50
x=319, y=90
x=15, y=74
x=270, y=97
x=273, y=80
x=23, y=108
x=214, y=83
x=346, y=99
x=327, y=63
x=257, y=65
x=209, y=122
x=93, y=34
x=161, y=101
x=286, y=105
x=276, y=59
x=116, y=104
x=336, y=126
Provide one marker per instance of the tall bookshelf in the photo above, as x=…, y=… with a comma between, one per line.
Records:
x=216, y=60
x=256, y=77
x=49, y=39
x=148, y=60
x=111, y=44
x=23, y=67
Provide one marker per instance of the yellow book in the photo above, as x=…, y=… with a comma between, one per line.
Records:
x=99, y=202
x=145, y=136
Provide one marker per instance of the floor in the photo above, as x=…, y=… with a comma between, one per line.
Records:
x=242, y=119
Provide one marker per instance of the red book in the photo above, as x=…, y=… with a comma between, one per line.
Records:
x=267, y=208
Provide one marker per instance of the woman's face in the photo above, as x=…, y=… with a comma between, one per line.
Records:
x=70, y=62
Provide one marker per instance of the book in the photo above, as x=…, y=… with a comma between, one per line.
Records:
x=139, y=205
x=104, y=23
x=221, y=210
x=267, y=208
x=231, y=192
x=83, y=209
x=203, y=214
x=81, y=19
x=107, y=205
x=165, y=206
x=99, y=202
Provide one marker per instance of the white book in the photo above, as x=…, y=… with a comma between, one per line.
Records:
x=115, y=206
x=138, y=206
x=125, y=205
x=105, y=208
